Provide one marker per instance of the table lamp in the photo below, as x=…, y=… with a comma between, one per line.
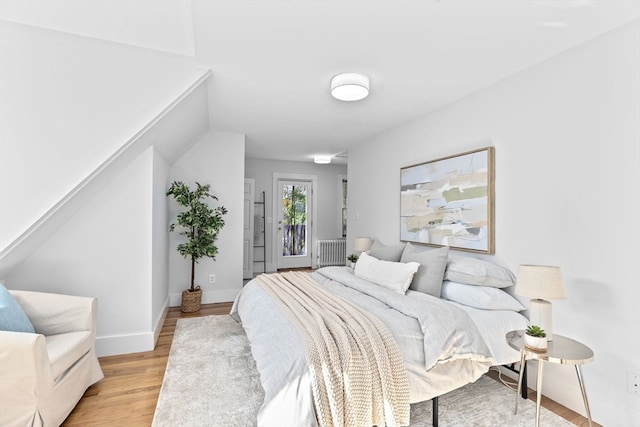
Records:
x=540, y=282
x=362, y=244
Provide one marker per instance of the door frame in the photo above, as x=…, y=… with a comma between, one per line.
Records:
x=341, y=179
x=275, y=242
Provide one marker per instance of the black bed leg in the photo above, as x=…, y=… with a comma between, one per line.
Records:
x=525, y=391
x=435, y=411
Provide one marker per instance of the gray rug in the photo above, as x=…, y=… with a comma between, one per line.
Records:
x=211, y=380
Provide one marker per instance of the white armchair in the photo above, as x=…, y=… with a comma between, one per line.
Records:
x=44, y=375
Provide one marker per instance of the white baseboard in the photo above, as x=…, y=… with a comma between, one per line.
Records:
x=125, y=344
x=133, y=343
x=160, y=323
x=146, y=341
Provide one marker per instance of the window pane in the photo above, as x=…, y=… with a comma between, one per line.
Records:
x=294, y=225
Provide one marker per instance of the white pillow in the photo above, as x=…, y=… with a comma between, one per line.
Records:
x=395, y=276
x=474, y=271
x=484, y=297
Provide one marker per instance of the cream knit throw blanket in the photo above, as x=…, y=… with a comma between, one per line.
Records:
x=357, y=373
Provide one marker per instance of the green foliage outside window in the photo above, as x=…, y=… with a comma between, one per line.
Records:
x=294, y=205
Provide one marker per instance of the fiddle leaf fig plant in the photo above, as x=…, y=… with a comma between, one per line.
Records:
x=199, y=222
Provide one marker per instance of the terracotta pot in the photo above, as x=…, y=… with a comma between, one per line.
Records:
x=535, y=343
x=191, y=300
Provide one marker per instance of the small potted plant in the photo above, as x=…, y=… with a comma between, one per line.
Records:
x=535, y=338
x=200, y=224
x=353, y=258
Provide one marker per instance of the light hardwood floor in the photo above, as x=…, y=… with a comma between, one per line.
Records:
x=128, y=393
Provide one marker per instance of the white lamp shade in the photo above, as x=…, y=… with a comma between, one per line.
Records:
x=350, y=86
x=540, y=281
x=362, y=244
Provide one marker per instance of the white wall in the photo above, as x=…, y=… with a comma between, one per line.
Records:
x=566, y=134
x=329, y=198
x=105, y=251
x=216, y=159
x=67, y=104
x=118, y=248
x=159, y=244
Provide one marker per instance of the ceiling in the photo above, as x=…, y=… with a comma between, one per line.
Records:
x=272, y=61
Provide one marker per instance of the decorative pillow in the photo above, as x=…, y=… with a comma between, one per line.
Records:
x=428, y=278
x=474, y=271
x=386, y=253
x=12, y=317
x=484, y=297
x=395, y=276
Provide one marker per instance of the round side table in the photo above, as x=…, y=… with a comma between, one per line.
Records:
x=561, y=350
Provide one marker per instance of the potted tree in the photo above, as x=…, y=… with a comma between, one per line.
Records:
x=535, y=338
x=200, y=224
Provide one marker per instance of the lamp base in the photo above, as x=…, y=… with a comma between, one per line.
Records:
x=540, y=314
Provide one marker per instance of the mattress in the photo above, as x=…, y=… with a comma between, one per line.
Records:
x=441, y=346
x=493, y=325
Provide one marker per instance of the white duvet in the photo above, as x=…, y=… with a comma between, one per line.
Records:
x=441, y=346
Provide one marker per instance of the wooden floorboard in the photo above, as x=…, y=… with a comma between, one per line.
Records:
x=128, y=393
x=551, y=405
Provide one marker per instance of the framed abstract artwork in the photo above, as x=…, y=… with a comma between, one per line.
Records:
x=450, y=202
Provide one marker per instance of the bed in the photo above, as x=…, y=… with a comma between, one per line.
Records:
x=444, y=344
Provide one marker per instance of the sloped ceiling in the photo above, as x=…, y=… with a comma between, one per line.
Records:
x=272, y=61
x=75, y=111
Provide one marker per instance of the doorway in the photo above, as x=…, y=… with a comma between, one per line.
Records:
x=294, y=210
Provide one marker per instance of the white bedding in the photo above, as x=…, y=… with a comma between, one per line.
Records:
x=441, y=346
x=493, y=326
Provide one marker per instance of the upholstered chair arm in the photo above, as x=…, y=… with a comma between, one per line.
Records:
x=24, y=365
x=53, y=314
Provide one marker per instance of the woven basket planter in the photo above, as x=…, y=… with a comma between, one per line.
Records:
x=191, y=300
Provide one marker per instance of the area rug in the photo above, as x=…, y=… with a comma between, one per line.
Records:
x=211, y=380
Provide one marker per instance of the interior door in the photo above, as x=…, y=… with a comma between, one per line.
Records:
x=248, y=228
x=294, y=223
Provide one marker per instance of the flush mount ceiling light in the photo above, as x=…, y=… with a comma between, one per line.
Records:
x=350, y=86
x=322, y=160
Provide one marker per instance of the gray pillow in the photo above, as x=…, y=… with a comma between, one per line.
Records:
x=474, y=271
x=386, y=253
x=428, y=278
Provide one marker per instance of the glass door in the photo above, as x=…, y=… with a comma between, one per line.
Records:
x=294, y=232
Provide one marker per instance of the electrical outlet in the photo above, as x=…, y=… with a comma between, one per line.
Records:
x=633, y=383
x=212, y=278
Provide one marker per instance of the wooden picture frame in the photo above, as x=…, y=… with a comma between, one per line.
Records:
x=450, y=202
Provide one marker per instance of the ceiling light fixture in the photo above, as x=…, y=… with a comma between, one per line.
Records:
x=322, y=160
x=350, y=86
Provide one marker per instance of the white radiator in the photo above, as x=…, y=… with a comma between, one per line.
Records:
x=332, y=252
